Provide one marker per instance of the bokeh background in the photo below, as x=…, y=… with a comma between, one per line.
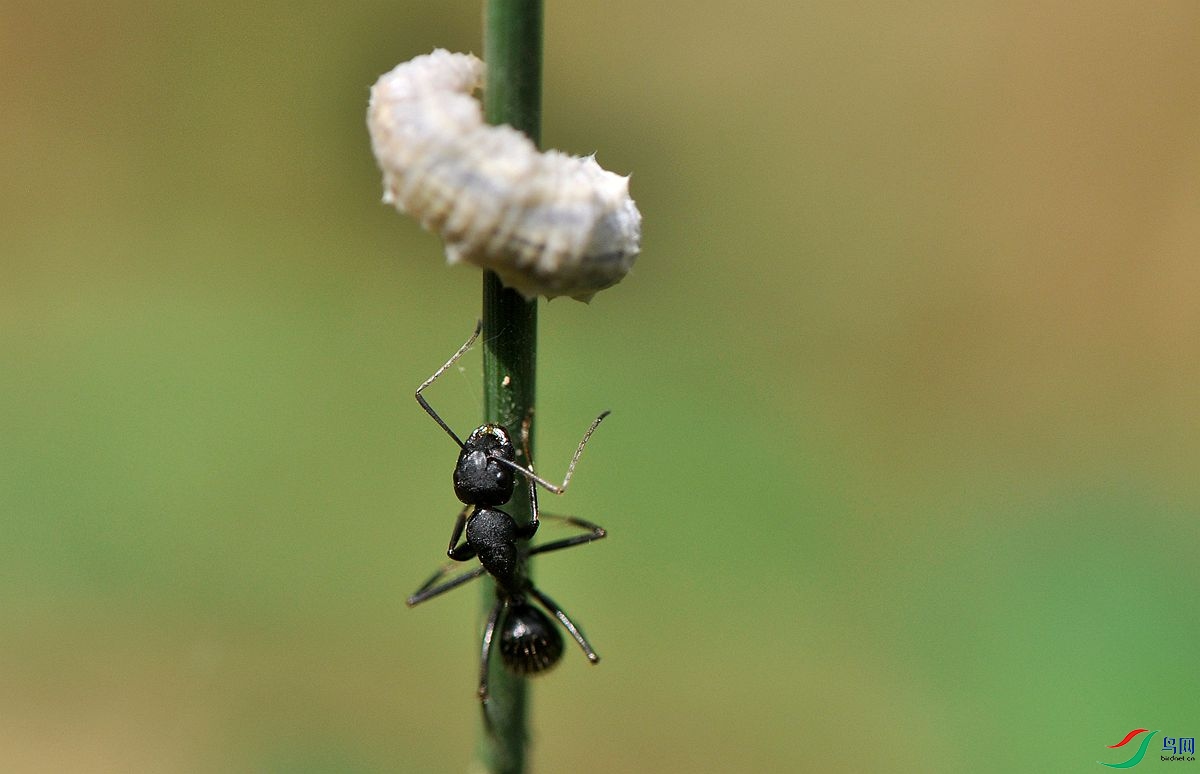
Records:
x=902, y=468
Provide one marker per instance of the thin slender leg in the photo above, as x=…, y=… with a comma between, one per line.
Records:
x=562, y=617
x=528, y=531
x=421, y=399
x=594, y=532
x=428, y=590
x=525, y=424
x=485, y=653
x=534, y=511
x=455, y=551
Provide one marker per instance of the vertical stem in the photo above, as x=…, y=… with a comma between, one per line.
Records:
x=512, y=95
x=512, y=49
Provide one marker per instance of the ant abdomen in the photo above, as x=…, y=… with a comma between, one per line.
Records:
x=529, y=641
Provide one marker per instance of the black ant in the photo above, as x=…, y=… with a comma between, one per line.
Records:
x=484, y=480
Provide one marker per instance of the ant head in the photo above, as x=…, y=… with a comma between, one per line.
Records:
x=529, y=641
x=478, y=478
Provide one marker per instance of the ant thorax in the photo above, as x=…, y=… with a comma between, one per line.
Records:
x=493, y=535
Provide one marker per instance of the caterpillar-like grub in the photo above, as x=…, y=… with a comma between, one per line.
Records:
x=548, y=224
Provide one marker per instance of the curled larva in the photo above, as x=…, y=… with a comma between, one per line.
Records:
x=548, y=223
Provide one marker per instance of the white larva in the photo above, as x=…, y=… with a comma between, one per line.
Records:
x=548, y=224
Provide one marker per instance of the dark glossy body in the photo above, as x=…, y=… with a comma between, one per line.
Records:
x=485, y=478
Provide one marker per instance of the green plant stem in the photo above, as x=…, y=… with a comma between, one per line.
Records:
x=512, y=49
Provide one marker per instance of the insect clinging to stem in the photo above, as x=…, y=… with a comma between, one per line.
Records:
x=484, y=480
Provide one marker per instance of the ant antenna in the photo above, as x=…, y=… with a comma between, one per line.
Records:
x=534, y=477
x=453, y=358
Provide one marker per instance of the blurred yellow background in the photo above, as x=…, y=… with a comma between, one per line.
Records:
x=902, y=468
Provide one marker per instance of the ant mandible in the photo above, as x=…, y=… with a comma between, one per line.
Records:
x=484, y=479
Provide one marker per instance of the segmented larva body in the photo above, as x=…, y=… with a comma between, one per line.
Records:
x=548, y=224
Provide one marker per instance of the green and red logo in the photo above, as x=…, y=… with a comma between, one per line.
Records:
x=1137, y=756
x=1175, y=749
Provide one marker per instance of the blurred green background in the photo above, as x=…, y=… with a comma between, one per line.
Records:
x=902, y=468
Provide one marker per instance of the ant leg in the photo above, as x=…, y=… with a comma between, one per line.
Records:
x=534, y=478
x=485, y=653
x=530, y=529
x=460, y=552
x=421, y=399
x=553, y=607
x=595, y=532
x=428, y=590
x=525, y=423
